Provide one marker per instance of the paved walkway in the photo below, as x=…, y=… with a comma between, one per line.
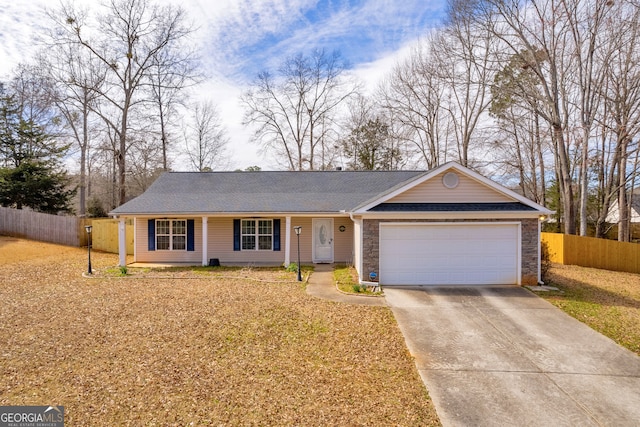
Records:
x=322, y=285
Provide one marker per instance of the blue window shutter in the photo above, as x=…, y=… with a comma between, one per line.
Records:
x=276, y=234
x=190, y=235
x=236, y=234
x=151, y=224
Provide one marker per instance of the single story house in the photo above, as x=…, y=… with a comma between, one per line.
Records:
x=446, y=226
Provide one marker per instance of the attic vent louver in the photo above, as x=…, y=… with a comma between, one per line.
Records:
x=450, y=180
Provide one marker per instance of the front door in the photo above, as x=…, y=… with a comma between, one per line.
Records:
x=323, y=240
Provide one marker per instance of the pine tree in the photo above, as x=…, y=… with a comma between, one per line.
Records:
x=31, y=174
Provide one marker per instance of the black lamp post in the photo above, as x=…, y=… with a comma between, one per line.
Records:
x=298, y=230
x=88, y=228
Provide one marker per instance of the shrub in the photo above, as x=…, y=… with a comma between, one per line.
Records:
x=95, y=208
x=292, y=268
x=545, y=261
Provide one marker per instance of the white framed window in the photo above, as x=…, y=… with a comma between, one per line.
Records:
x=256, y=234
x=171, y=234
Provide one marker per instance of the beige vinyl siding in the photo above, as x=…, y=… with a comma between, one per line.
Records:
x=143, y=254
x=306, y=240
x=343, y=240
x=434, y=191
x=220, y=244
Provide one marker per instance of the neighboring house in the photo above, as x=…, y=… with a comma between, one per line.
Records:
x=614, y=213
x=447, y=226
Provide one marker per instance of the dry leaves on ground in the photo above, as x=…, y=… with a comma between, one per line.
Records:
x=202, y=351
x=607, y=301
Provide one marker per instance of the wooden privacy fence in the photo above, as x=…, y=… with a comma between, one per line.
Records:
x=105, y=235
x=591, y=252
x=64, y=230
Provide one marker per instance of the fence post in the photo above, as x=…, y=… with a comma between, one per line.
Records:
x=83, y=239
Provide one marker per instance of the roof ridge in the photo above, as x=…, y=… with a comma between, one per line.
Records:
x=305, y=171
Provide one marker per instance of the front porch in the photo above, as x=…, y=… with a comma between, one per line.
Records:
x=322, y=240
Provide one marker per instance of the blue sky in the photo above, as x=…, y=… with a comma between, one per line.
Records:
x=239, y=38
x=260, y=34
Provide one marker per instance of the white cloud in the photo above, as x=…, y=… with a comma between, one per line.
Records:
x=226, y=96
x=18, y=22
x=240, y=37
x=372, y=73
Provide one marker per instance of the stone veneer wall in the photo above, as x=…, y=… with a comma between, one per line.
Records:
x=529, y=249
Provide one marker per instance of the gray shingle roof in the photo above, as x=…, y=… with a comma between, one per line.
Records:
x=263, y=192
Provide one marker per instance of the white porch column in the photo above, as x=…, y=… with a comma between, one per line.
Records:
x=135, y=250
x=122, y=242
x=287, y=242
x=205, y=240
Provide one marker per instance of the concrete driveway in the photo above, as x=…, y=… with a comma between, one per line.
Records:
x=503, y=356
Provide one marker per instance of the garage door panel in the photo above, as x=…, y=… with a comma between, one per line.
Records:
x=460, y=254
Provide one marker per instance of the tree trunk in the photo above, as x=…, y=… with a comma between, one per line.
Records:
x=83, y=182
x=623, y=209
x=584, y=190
x=122, y=152
x=623, y=213
x=523, y=186
x=565, y=182
x=114, y=182
x=163, y=136
x=122, y=192
x=543, y=189
x=83, y=158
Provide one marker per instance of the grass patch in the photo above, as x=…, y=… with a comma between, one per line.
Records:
x=206, y=351
x=607, y=301
x=347, y=279
x=113, y=271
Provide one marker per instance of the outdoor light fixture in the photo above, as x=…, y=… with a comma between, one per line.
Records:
x=88, y=228
x=298, y=230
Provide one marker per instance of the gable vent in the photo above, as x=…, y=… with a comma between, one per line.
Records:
x=450, y=180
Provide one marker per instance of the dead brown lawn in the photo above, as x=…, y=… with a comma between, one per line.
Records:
x=607, y=301
x=14, y=250
x=202, y=350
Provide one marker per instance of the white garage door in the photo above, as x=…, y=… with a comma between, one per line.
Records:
x=449, y=253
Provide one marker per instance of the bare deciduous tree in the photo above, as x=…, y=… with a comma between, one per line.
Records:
x=206, y=138
x=412, y=96
x=125, y=38
x=76, y=79
x=539, y=37
x=585, y=21
x=620, y=116
x=170, y=73
x=294, y=110
x=464, y=51
x=521, y=138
